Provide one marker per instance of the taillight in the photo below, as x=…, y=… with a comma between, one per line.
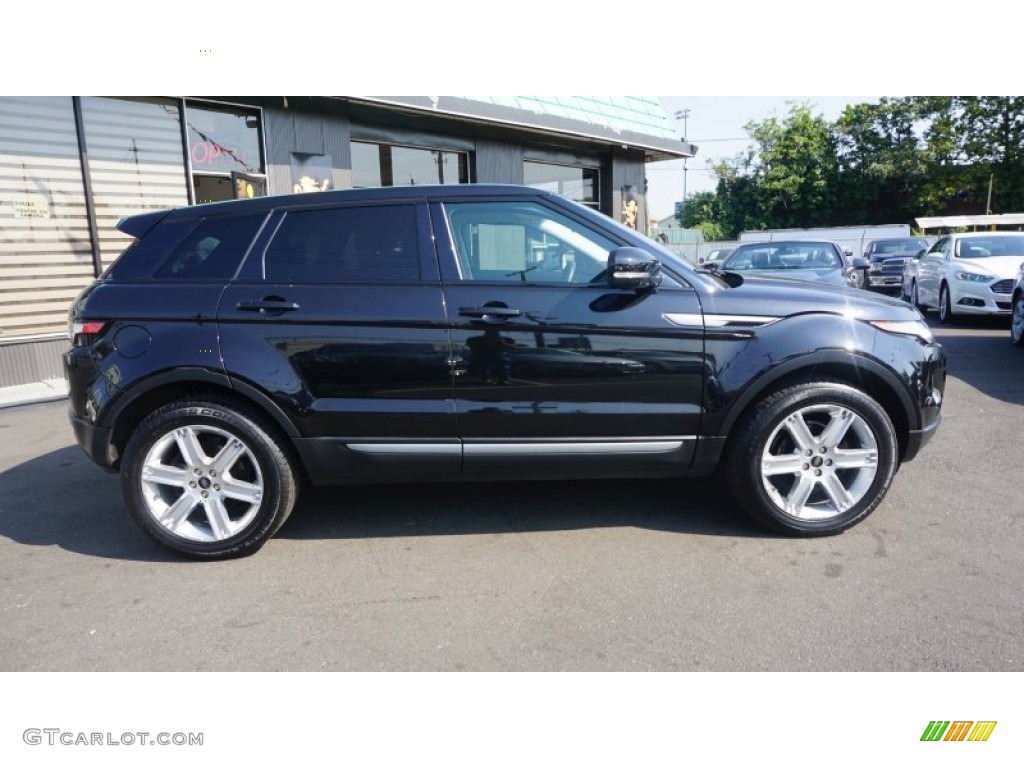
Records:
x=84, y=334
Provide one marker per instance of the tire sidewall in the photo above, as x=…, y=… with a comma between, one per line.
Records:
x=764, y=425
x=945, y=307
x=156, y=426
x=1016, y=308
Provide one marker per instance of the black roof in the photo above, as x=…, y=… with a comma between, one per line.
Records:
x=141, y=223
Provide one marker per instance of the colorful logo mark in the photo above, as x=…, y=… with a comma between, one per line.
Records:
x=958, y=730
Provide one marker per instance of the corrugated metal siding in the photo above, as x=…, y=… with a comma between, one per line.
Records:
x=498, y=162
x=45, y=255
x=294, y=130
x=31, y=361
x=136, y=162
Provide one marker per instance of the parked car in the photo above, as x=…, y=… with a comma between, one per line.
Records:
x=971, y=273
x=1017, y=302
x=909, y=275
x=236, y=350
x=886, y=259
x=717, y=254
x=821, y=262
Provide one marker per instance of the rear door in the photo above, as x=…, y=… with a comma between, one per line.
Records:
x=338, y=316
x=553, y=366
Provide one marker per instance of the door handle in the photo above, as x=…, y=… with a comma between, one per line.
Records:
x=489, y=312
x=267, y=305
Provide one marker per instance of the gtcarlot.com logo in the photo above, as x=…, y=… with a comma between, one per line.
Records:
x=958, y=730
x=56, y=736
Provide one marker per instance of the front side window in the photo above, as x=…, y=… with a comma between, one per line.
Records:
x=525, y=242
x=342, y=245
x=213, y=250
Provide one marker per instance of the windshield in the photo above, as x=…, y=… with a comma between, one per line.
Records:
x=901, y=245
x=772, y=256
x=983, y=247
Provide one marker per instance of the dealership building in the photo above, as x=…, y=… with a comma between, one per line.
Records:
x=72, y=167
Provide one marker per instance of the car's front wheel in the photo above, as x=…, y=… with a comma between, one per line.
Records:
x=945, y=307
x=1017, y=321
x=207, y=480
x=813, y=459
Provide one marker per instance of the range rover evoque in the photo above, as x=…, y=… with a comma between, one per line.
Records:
x=237, y=350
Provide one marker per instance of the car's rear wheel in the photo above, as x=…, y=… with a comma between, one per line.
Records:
x=813, y=459
x=945, y=307
x=1017, y=321
x=207, y=480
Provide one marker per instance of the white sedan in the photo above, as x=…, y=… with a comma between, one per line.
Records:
x=971, y=273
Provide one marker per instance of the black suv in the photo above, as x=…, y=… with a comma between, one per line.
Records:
x=474, y=332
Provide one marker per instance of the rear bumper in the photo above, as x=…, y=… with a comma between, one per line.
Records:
x=95, y=441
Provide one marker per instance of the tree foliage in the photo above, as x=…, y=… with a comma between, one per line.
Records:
x=882, y=163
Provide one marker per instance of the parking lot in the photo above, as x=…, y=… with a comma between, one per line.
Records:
x=625, y=575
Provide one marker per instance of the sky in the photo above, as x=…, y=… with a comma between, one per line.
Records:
x=715, y=125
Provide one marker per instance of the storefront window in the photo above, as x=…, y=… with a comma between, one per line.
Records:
x=384, y=165
x=223, y=139
x=135, y=162
x=579, y=184
x=45, y=254
x=224, y=142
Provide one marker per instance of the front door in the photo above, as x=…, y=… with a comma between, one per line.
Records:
x=551, y=363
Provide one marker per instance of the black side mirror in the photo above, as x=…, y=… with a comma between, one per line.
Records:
x=861, y=263
x=635, y=268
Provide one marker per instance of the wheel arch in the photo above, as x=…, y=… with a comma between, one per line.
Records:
x=860, y=373
x=187, y=383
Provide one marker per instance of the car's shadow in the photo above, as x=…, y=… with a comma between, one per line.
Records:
x=988, y=362
x=62, y=499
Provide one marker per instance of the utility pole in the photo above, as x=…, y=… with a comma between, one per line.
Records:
x=684, y=114
x=988, y=203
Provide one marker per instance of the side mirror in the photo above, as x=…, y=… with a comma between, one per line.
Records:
x=630, y=267
x=861, y=263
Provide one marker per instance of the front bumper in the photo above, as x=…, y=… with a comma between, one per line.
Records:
x=977, y=299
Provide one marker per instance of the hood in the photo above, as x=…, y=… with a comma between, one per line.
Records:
x=751, y=295
x=1000, y=267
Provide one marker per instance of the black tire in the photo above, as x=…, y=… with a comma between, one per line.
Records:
x=1017, y=320
x=915, y=299
x=262, y=472
x=763, y=494
x=946, y=316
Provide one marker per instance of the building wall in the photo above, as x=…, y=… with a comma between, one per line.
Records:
x=131, y=154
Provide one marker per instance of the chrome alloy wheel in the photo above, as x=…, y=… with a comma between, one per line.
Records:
x=201, y=483
x=819, y=462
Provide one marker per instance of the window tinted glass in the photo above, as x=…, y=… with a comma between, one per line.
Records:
x=363, y=243
x=213, y=250
x=519, y=241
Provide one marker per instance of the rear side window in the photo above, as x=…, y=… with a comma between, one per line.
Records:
x=213, y=250
x=342, y=245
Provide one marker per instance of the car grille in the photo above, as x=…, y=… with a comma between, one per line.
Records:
x=1003, y=286
x=893, y=266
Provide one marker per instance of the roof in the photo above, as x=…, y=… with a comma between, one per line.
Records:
x=139, y=223
x=637, y=122
x=952, y=222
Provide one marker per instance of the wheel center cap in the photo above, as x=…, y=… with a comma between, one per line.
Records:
x=817, y=461
x=204, y=482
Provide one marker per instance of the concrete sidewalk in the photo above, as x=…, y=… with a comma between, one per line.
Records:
x=40, y=392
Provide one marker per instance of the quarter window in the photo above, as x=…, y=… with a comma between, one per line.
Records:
x=352, y=244
x=213, y=250
x=525, y=242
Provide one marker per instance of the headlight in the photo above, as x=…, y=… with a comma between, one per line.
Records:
x=917, y=328
x=876, y=266
x=973, y=277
